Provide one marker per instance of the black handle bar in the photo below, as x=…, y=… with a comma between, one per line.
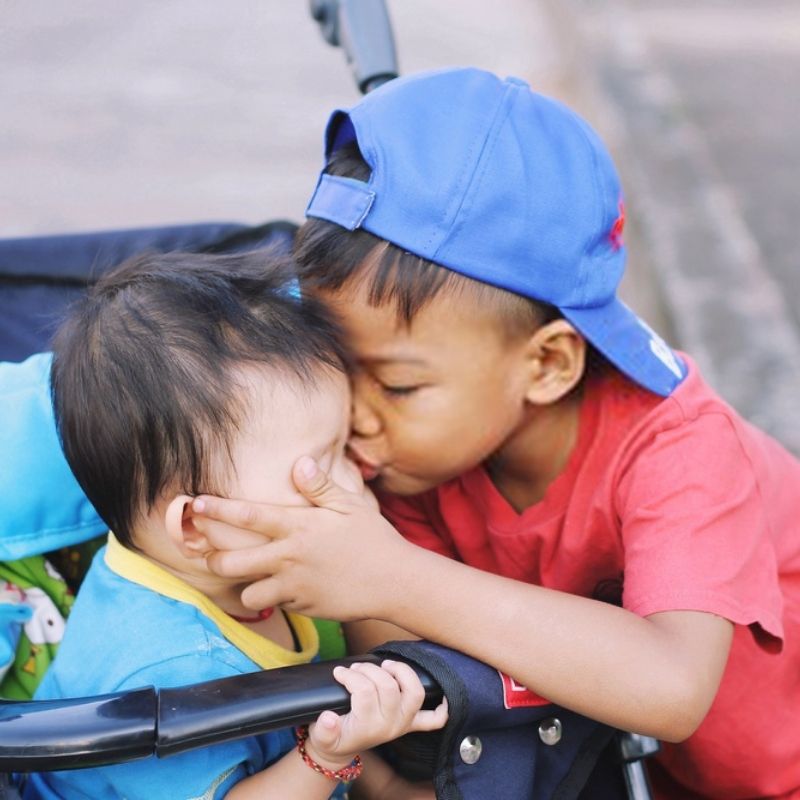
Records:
x=50, y=735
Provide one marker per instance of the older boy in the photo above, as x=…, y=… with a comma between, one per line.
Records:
x=180, y=374
x=523, y=423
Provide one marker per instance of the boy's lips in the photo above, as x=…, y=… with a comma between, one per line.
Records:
x=369, y=470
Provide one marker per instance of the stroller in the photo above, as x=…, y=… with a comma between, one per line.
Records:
x=492, y=746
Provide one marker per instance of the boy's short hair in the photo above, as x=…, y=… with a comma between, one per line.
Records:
x=143, y=375
x=329, y=256
x=500, y=184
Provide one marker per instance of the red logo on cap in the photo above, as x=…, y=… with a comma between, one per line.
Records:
x=616, y=230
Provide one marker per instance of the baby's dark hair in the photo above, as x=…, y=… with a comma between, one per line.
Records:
x=144, y=375
x=329, y=256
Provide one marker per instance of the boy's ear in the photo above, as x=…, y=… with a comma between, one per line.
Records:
x=557, y=360
x=178, y=520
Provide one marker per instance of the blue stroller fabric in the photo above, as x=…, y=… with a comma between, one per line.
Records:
x=486, y=746
x=42, y=508
x=39, y=276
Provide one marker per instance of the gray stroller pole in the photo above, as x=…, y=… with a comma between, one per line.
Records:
x=633, y=749
x=363, y=30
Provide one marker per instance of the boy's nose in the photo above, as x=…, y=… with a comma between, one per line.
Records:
x=364, y=422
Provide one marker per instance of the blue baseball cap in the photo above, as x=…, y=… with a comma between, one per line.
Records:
x=502, y=185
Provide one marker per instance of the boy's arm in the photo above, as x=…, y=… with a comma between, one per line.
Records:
x=655, y=675
x=411, y=515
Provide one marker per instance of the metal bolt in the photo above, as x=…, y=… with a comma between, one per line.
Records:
x=470, y=749
x=550, y=730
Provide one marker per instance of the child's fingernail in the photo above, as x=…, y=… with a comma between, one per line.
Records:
x=199, y=505
x=387, y=661
x=307, y=467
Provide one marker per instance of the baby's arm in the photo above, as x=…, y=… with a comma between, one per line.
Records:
x=381, y=782
x=365, y=634
x=386, y=702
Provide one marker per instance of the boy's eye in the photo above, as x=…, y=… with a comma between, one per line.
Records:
x=398, y=391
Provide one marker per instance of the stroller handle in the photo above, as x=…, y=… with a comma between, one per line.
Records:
x=362, y=28
x=46, y=735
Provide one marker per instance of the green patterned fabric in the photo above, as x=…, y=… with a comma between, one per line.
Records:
x=34, y=583
x=331, y=639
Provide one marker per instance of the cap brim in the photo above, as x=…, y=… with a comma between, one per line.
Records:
x=630, y=344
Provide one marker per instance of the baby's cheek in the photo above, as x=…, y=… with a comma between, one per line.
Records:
x=348, y=476
x=372, y=501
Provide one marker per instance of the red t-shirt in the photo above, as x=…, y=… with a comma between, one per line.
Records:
x=665, y=504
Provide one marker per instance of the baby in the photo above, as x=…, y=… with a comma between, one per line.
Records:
x=180, y=374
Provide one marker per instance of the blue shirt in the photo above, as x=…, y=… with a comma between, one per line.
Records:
x=124, y=635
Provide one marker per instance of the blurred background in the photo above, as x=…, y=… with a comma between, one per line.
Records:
x=118, y=114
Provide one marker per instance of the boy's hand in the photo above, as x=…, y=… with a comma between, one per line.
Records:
x=385, y=703
x=337, y=560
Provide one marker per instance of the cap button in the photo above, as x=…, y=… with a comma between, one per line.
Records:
x=518, y=82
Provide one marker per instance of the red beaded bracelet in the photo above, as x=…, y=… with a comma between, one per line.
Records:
x=346, y=774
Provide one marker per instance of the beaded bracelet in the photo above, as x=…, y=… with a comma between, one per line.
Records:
x=346, y=774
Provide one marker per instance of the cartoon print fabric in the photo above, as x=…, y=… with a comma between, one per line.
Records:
x=34, y=603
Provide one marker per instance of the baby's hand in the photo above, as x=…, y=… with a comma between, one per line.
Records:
x=386, y=702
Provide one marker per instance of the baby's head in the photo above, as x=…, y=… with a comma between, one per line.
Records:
x=188, y=374
x=470, y=227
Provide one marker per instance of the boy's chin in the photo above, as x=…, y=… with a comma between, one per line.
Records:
x=403, y=485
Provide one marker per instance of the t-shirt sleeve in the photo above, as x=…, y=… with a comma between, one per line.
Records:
x=696, y=532
x=418, y=519
x=207, y=772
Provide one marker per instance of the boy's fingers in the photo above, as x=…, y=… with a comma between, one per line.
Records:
x=266, y=593
x=268, y=520
x=248, y=562
x=221, y=536
x=318, y=488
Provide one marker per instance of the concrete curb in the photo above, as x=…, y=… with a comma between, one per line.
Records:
x=723, y=305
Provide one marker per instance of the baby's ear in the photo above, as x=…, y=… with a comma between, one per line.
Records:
x=179, y=522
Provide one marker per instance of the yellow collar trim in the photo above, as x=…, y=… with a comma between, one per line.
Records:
x=268, y=655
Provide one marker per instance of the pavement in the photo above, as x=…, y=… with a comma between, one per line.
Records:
x=123, y=114
x=700, y=104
